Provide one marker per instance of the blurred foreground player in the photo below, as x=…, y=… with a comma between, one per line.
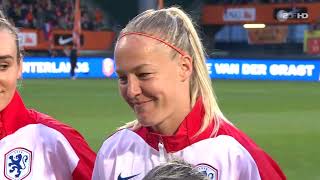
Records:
x=175, y=170
x=34, y=145
x=163, y=77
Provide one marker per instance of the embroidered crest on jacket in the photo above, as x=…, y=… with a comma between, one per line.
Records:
x=17, y=163
x=208, y=170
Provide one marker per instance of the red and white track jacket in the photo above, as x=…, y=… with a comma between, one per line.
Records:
x=34, y=146
x=231, y=155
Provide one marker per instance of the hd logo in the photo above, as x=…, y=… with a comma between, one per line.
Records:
x=17, y=163
x=284, y=14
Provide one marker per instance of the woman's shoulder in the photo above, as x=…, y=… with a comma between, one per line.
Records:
x=120, y=140
x=51, y=128
x=121, y=135
x=53, y=132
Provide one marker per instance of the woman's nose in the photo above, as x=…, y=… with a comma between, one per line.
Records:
x=133, y=87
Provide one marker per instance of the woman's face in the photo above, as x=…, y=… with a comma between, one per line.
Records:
x=10, y=69
x=152, y=82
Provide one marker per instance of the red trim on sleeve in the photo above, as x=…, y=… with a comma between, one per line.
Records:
x=87, y=156
x=268, y=168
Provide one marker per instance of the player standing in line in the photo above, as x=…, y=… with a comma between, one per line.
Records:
x=34, y=145
x=163, y=77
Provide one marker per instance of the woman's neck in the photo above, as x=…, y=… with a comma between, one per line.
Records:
x=171, y=124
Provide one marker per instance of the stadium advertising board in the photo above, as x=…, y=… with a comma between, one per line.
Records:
x=28, y=39
x=59, y=67
x=64, y=39
x=249, y=69
x=35, y=39
x=239, y=14
x=272, y=69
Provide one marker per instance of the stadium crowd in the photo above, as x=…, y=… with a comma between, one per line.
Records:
x=44, y=14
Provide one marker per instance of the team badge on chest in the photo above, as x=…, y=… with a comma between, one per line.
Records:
x=208, y=170
x=17, y=163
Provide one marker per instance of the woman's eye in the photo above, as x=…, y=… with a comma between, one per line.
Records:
x=144, y=75
x=4, y=66
x=122, y=80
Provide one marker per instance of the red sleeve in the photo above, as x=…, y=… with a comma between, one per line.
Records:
x=87, y=156
x=268, y=168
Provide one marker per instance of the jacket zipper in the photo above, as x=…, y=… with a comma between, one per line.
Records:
x=162, y=151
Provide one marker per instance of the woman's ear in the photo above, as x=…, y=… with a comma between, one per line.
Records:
x=20, y=68
x=186, y=68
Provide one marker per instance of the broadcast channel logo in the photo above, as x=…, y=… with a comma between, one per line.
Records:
x=284, y=14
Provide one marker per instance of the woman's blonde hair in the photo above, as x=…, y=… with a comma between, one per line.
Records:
x=175, y=27
x=5, y=24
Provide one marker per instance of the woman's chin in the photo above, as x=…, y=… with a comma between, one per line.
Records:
x=145, y=121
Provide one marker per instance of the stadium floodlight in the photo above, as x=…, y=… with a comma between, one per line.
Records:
x=252, y=26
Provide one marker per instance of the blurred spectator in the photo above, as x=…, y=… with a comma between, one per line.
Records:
x=315, y=26
x=86, y=22
x=47, y=29
x=98, y=15
x=54, y=13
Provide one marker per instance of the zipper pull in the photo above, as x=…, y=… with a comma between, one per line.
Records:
x=162, y=153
